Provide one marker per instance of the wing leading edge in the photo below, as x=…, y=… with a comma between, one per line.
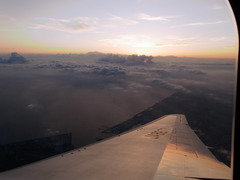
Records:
x=166, y=148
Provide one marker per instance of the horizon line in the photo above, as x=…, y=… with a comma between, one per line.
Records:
x=124, y=54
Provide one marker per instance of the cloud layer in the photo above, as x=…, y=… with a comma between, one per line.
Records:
x=76, y=93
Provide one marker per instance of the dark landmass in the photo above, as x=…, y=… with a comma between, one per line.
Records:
x=210, y=118
x=20, y=153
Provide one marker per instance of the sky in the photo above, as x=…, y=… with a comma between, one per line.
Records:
x=199, y=28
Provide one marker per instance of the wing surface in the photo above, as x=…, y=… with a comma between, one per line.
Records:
x=166, y=148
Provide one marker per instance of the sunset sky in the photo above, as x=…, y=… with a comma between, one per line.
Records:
x=195, y=28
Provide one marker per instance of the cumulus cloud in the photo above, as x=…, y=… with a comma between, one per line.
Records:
x=14, y=58
x=109, y=71
x=83, y=68
x=129, y=60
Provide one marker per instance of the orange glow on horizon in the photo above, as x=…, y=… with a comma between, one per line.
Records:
x=28, y=47
x=55, y=50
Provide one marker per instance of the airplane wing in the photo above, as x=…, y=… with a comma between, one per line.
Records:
x=166, y=149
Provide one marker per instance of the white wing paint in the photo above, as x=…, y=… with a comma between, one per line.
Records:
x=165, y=149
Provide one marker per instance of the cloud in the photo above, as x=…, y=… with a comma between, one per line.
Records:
x=14, y=58
x=148, y=17
x=204, y=23
x=48, y=101
x=82, y=24
x=129, y=60
x=71, y=25
x=169, y=85
x=32, y=106
x=122, y=20
x=109, y=71
x=70, y=67
x=138, y=86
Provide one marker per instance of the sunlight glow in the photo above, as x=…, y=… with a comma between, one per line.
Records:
x=139, y=28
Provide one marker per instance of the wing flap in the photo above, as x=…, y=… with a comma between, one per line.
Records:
x=187, y=157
